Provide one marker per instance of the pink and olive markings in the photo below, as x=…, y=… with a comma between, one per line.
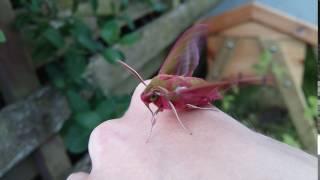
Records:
x=174, y=88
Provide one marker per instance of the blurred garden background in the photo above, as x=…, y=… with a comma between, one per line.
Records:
x=59, y=79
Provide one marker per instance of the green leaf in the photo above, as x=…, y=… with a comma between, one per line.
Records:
x=56, y=76
x=75, y=65
x=227, y=101
x=76, y=102
x=266, y=57
x=106, y=109
x=35, y=6
x=54, y=37
x=110, y=32
x=128, y=20
x=94, y=5
x=83, y=35
x=88, y=119
x=75, y=5
x=112, y=55
x=159, y=6
x=311, y=110
x=88, y=43
x=288, y=139
x=278, y=71
x=124, y=3
x=131, y=38
x=2, y=37
x=264, y=63
x=76, y=138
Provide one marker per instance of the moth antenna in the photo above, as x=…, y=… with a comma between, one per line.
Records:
x=201, y=108
x=133, y=72
x=153, y=122
x=179, y=120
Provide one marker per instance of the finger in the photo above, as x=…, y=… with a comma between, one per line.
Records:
x=78, y=176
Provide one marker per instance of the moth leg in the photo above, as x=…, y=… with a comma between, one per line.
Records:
x=153, y=122
x=179, y=120
x=201, y=108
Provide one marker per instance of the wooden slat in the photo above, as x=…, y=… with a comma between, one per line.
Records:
x=221, y=58
x=27, y=124
x=254, y=29
x=229, y=19
x=293, y=98
x=269, y=17
x=156, y=36
x=287, y=24
x=17, y=79
x=294, y=52
x=248, y=52
x=52, y=159
x=26, y=169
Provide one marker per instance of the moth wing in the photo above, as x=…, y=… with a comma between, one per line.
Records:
x=185, y=55
x=207, y=92
x=204, y=92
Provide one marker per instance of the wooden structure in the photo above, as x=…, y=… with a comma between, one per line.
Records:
x=30, y=145
x=240, y=35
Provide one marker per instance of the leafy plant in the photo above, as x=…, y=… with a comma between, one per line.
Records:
x=65, y=39
x=2, y=37
x=248, y=105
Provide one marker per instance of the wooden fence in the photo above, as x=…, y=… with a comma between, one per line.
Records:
x=30, y=144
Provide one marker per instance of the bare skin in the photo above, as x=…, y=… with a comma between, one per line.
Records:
x=220, y=148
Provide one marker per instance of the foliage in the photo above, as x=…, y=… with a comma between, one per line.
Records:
x=253, y=107
x=2, y=37
x=66, y=39
x=310, y=84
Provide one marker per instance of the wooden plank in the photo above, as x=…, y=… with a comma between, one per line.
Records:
x=293, y=98
x=294, y=52
x=83, y=165
x=246, y=55
x=52, y=158
x=269, y=17
x=156, y=36
x=16, y=75
x=229, y=19
x=17, y=79
x=27, y=124
x=26, y=169
x=254, y=29
x=287, y=24
x=218, y=63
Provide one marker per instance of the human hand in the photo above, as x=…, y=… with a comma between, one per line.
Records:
x=220, y=148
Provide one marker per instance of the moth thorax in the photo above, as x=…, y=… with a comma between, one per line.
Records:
x=179, y=88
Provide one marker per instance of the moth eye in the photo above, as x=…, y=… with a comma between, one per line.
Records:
x=154, y=97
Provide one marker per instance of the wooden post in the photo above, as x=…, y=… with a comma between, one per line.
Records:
x=52, y=160
x=221, y=58
x=18, y=80
x=293, y=97
x=286, y=53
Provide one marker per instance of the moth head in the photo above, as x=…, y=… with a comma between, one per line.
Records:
x=151, y=96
